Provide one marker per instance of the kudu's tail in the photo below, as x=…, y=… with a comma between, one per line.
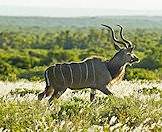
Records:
x=48, y=89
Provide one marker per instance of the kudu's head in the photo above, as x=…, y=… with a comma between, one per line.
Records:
x=124, y=55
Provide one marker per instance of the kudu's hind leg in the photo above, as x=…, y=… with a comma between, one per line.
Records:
x=92, y=94
x=56, y=94
x=40, y=96
x=48, y=91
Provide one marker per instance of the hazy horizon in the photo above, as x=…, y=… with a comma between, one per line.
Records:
x=72, y=12
x=80, y=8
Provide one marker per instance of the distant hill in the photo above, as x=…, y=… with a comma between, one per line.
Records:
x=130, y=22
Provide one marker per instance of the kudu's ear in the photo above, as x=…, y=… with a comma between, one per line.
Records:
x=117, y=47
x=130, y=49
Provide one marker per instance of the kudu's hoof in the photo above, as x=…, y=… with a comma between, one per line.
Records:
x=92, y=96
x=110, y=93
x=40, y=96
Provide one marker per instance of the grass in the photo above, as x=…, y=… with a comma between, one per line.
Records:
x=150, y=91
x=106, y=113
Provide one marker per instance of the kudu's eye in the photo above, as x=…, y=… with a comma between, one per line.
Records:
x=128, y=53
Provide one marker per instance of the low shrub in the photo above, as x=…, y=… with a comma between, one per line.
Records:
x=7, y=71
x=140, y=73
x=33, y=74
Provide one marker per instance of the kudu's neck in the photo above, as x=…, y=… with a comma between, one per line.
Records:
x=115, y=66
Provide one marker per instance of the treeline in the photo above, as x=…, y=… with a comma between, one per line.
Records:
x=26, y=54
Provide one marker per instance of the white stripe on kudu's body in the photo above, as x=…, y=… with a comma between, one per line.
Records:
x=46, y=74
x=94, y=76
x=86, y=72
x=71, y=73
x=62, y=75
x=54, y=74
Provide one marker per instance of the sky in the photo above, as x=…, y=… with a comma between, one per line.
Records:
x=79, y=7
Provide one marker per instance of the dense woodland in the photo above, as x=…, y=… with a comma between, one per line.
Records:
x=25, y=52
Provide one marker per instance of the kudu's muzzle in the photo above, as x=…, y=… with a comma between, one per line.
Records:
x=134, y=59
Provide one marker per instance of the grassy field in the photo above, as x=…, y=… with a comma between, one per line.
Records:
x=135, y=106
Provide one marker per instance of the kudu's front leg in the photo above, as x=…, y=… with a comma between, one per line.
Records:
x=47, y=92
x=105, y=90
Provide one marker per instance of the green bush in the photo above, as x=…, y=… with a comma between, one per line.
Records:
x=160, y=73
x=33, y=74
x=140, y=73
x=23, y=62
x=27, y=48
x=7, y=72
x=152, y=60
x=60, y=55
